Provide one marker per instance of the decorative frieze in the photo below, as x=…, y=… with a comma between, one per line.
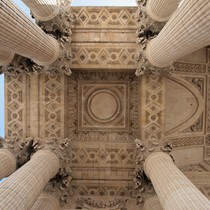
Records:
x=153, y=103
x=189, y=68
x=105, y=17
x=199, y=178
x=112, y=190
x=115, y=56
x=116, y=203
x=102, y=155
x=186, y=141
x=16, y=105
x=52, y=93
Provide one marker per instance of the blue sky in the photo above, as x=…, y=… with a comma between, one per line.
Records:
x=75, y=3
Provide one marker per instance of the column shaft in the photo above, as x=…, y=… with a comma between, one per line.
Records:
x=23, y=187
x=18, y=34
x=185, y=32
x=7, y=163
x=46, y=202
x=174, y=190
x=5, y=57
x=43, y=9
x=152, y=203
x=161, y=10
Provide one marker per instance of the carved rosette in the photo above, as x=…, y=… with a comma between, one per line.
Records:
x=59, y=28
x=105, y=108
x=147, y=30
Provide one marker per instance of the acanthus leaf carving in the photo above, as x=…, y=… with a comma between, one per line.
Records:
x=147, y=30
x=60, y=28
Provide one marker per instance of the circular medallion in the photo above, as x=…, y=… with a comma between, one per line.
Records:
x=103, y=106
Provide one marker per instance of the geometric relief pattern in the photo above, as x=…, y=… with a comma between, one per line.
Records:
x=103, y=155
x=120, y=57
x=189, y=68
x=52, y=106
x=197, y=126
x=16, y=107
x=198, y=83
x=152, y=108
x=103, y=106
x=109, y=107
x=104, y=18
x=187, y=141
x=112, y=190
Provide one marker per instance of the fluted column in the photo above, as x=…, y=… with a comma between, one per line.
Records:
x=46, y=202
x=7, y=163
x=24, y=186
x=174, y=190
x=152, y=203
x=185, y=32
x=161, y=10
x=5, y=57
x=18, y=34
x=43, y=9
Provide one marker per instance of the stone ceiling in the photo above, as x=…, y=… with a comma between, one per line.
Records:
x=102, y=107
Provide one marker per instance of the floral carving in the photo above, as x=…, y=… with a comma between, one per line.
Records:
x=147, y=30
x=88, y=203
x=197, y=126
x=60, y=184
x=142, y=184
x=60, y=28
x=24, y=148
